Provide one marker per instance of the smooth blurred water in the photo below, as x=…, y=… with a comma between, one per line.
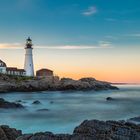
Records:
x=69, y=109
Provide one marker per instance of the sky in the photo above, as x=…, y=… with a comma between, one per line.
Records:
x=74, y=38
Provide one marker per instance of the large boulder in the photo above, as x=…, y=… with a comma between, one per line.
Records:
x=84, y=84
x=7, y=133
x=36, y=102
x=70, y=84
x=9, y=105
x=109, y=130
x=93, y=130
x=44, y=136
x=109, y=99
x=43, y=110
x=135, y=119
x=88, y=79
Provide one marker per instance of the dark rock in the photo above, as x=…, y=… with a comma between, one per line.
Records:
x=51, y=102
x=43, y=110
x=10, y=105
x=44, y=136
x=7, y=133
x=93, y=130
x=25, y=137
x=84, y=84
x=19, y=101
x=88, y=80
x=36, y=102
x=109, y=99
x=12, y=84
x=100, y=130
x=135, y=119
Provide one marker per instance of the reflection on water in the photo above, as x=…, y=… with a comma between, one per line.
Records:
x=67, y=110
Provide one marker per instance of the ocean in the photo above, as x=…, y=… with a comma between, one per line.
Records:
x=68, y=109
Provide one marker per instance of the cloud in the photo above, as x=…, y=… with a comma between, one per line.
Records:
x=11, y=46
x=105, y=44
x=133, y=35
x=68, y=47
x=102, y=45
x=90, y=11
x=74, y=47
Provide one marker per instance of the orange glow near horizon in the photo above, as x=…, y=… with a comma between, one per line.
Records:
x=108, y=75
x=117, y=78
x=112, y=65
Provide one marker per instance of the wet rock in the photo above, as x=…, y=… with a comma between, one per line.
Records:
x=93, y=130
x=51, y=102
x=36, y=102
x=43, y=110
x=100, y=130
x=84, y=84
x=24, y=84
x=135, y=119
x=9, y=105
x=7, y=133
x=44, y=136
x=109, y=99
x=19, y=101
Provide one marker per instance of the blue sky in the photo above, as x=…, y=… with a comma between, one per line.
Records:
x=71, y=22
x=75, y=38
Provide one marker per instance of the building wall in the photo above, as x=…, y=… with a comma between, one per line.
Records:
x=3, y=70
x=11, y=70
x=44, y=73
x=16, y=73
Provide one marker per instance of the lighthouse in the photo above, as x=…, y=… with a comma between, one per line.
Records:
x=28, y=64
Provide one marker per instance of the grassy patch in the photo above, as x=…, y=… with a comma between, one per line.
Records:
x=17, y=78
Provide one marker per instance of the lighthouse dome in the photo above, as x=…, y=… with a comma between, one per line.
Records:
x=28, y=43
x=28, y=39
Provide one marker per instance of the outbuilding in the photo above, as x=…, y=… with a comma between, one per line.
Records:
x=44, y=73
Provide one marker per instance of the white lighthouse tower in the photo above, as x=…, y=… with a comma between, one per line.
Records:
x=28, y=65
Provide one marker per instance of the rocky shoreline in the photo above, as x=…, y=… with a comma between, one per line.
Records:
x=10, y=105
x=28, y=84
x=87, y=130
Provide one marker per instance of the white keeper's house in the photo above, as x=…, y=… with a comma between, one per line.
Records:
x=2, y=67
x=11, y=70
x=28, y=65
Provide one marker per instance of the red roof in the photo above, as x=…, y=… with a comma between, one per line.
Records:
x=44, y=70
x=22, y=70
x=14, y=69
x=11, y=68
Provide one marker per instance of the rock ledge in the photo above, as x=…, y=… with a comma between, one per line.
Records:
x=87, y=130
x=26, y=84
